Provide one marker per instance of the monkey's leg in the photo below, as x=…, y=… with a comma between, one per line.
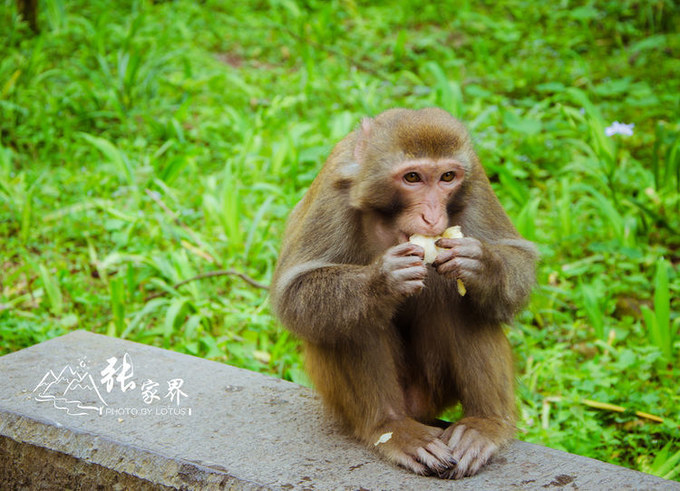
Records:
x=359, y=382
x=483, y=374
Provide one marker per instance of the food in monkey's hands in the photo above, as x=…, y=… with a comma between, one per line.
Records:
x=431, y=250
x=427, y=241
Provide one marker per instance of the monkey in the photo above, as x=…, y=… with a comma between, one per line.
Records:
x=389, y=341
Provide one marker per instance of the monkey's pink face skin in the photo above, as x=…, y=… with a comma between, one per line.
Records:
x=425, y=187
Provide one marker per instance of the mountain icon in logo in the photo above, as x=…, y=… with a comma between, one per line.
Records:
x=71, y=390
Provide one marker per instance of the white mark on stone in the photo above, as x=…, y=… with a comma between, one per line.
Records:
x=385, y=437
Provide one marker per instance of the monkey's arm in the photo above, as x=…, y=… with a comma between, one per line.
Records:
x=507, y=278
x=326, y=303
x=495, y=263
x=498, y=274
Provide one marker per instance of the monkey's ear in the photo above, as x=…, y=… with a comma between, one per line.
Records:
x=363, y=135
x=351, y=170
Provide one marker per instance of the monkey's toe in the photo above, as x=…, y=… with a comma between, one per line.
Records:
x=471, y=449
x=437, y=457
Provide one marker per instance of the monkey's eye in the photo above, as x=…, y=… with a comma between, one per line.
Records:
x=412, y=177
x=448, y=176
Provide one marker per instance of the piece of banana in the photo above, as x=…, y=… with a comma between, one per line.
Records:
x=431, y=250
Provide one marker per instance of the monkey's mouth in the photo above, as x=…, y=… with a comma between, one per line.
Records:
x=403, y=237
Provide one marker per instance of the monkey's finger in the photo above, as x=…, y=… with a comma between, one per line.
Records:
x=468, y=446
x=410, y=463
x=460, y=267
x=443, y=257
x=439, y=447
x=407, y=261
x=408, y=274
x=456, y=435
x=408, y=249
x=482, y=458
x=394, y=267
x=410, y=287
x=440, y=450
x=469, y=249
x=433, y=462
x=464, y=452
x=445, y=243
x=457, y=252
x=473, y=251
x=476, y=455
x=469, y=267
x=418, y=252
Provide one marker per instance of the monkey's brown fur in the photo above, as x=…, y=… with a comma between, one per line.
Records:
x=387, y=361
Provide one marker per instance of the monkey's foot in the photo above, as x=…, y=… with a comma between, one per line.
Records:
x=471, y=446
x=415, y=446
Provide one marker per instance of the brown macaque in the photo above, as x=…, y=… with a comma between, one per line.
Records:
x=389, y=341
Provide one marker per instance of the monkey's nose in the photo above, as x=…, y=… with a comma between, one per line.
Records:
x=433, y=225
x=428, y=220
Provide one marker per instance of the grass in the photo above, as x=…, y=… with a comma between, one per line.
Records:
x=147, y=144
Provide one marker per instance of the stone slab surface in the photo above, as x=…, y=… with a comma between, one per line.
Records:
x=223, y=427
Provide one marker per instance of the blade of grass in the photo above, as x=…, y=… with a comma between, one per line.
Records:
x=662, y=305
x=590, y=297
x=51, y=285
x=665, y=465
x=117, y=288
x=113, y=154
x=448, y=93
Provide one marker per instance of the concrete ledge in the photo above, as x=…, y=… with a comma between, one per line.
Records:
x=219, y=427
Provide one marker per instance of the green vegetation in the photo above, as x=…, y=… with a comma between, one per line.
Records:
x=143, y=144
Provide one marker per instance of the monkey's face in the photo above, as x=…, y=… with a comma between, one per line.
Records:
x=425, y=187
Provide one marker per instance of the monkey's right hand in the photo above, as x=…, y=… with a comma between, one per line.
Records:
x=403, y=269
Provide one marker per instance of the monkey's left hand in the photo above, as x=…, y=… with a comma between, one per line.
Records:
x=465, y=258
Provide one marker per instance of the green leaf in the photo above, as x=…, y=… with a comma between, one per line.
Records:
x=113, y=155
x=526, y=126
x=51, y=285
x=117, y=287
x=449, y=95
x=662, y=305
x=173, y=316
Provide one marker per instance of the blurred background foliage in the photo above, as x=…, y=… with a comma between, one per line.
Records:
x=143, y=144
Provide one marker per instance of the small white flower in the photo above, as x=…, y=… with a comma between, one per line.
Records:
x=617, y=128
